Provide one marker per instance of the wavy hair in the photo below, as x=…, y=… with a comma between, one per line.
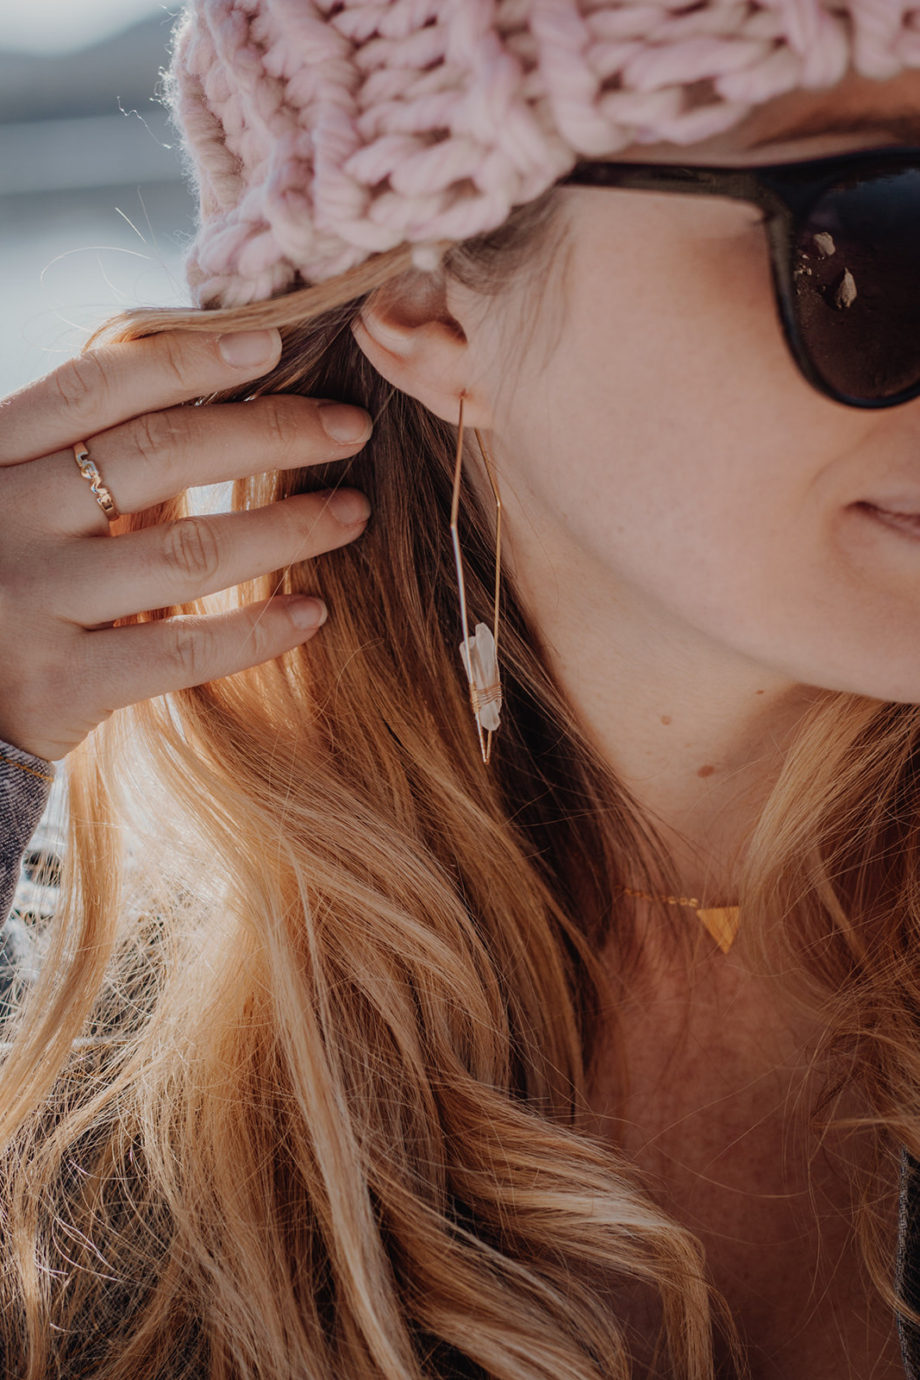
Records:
x=300, y=1087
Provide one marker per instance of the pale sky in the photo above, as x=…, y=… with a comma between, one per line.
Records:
x=57, y=26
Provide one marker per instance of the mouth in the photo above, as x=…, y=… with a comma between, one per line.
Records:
x=900, y=518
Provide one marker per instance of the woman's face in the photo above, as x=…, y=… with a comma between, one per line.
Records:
x=671, y=480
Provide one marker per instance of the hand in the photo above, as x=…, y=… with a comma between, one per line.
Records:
x=65, y=579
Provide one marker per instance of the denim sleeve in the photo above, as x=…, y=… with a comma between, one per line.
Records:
x=907, y=1268
x=25, y=784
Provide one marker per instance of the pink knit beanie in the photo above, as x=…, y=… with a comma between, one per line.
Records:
x=321, y=132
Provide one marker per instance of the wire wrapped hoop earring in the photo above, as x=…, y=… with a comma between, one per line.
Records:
x=479, y=653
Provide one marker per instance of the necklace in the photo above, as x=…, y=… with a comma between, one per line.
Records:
x=721, y=921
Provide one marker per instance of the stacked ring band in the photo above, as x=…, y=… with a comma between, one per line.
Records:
x=90, y=473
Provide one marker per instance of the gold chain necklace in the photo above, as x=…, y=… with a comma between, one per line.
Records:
x=721, y=921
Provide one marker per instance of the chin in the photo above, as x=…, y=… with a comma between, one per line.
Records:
x=888, y=686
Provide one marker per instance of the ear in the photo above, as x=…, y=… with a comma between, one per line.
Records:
x=413, y=338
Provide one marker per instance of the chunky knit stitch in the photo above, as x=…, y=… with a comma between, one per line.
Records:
x=321, y=132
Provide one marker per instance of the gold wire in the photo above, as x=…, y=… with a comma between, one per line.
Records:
x=485, y=740
x=713, y=918
x=671, y=900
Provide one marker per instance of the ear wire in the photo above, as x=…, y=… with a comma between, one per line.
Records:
x=479, y=653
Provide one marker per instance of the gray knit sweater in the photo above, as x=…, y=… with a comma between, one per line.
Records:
x=25, y=785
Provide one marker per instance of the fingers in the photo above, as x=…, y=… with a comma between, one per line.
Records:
x=127, y=403
x=120, y=666
x=157, y=456
x=107, y=386
x=177, y=562
x=149, y=659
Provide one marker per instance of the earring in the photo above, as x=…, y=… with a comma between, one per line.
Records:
x=479, y=653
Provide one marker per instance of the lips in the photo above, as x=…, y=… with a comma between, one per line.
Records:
x=898, y=515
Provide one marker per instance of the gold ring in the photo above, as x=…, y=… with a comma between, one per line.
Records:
x=90, y=473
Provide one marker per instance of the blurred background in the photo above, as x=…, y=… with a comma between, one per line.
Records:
x=94, y=213
x=94, y=218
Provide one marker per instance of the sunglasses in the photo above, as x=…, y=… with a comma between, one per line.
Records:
x=844, y=237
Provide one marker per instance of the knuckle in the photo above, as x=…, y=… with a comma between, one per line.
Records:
x=191, y=548
x=158, y=436
x=190, y=651
x=151, y=438
x=81, y=384
x=283, y=426
x=261, y=636
x=174, y=358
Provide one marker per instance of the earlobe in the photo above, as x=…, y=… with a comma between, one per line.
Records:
x=422, y=351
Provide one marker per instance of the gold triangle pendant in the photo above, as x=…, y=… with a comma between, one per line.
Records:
x=722, y=923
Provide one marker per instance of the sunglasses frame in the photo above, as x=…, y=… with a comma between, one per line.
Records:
x=787, y=193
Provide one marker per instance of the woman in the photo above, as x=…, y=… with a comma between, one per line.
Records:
x=549, y=1010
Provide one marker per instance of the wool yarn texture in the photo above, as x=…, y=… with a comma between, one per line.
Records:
x=322, y=132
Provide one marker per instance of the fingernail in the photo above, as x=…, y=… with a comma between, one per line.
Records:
x=247, y=349
x=349, y=506
x=344, y=423
x=308, y=613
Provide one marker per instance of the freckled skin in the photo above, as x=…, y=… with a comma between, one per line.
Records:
x=681, y=508
x=693, y=527
x=679, y=505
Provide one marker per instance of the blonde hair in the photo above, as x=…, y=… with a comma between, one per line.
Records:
x=348, y=986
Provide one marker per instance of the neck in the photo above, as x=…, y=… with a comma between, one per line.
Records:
x=697, y=733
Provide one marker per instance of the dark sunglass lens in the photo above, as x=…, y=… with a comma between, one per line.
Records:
x=857, y=284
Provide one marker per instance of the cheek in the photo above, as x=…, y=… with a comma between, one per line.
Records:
x=670, y=410
x=670, y=448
